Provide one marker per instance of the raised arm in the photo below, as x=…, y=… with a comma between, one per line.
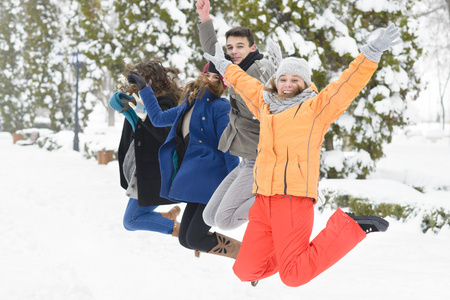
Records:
x=203, y=10
x=160, y=133
x=249, y=88
x=158, y=117
x=206, y=30
x=338, y=95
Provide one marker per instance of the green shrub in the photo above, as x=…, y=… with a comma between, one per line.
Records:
x=419, y=188
x=433, y=220
x=48, y=144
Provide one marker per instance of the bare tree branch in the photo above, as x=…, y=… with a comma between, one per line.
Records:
x=448, y=7
x=429, y=12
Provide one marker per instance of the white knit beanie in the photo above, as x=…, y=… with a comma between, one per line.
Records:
x=294, y=65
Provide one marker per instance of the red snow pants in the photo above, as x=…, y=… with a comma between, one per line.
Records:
x=277, y=240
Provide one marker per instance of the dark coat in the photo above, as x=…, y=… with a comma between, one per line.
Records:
x=241, y=136
x=204, y=166
x=147, y=141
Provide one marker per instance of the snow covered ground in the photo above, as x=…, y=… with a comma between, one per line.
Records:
x=61, y=234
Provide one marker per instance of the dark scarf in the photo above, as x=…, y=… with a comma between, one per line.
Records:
x=182, y=142
x=248, y=60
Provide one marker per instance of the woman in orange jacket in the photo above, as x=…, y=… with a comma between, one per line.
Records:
x=294, y=119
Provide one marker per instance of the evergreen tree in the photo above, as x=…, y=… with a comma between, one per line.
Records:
x=28, y=87
x=13, y=106
x=329, y=35
x=133, y=31
x=75, y=41
x=50, y=94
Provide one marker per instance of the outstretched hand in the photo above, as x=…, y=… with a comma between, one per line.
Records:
x=219, y=60
x=387, y=38
x=203, y=10
x=136, y=78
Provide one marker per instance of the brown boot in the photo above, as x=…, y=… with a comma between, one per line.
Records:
x=176, y=229
x=227, y=246
x=172, y=214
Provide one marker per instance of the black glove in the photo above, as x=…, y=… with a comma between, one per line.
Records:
x=136, y=78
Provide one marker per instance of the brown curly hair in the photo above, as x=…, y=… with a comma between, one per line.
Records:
x=163, y=79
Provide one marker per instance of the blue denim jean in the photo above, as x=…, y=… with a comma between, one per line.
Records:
x=145, y=218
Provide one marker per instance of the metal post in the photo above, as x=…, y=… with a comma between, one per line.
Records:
x=76, y=146
x=77, y=61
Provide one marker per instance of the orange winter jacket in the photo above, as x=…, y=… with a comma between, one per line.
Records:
x=288, y=160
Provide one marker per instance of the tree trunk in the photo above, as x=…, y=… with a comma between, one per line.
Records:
x=442, y=96
x=328, y=142
x=448, y=8
x=111, y=116
x=443, y=113
x=109, y=86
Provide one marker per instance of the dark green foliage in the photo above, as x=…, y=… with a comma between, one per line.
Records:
x=153, y=30
x=48, y=143
x=419, y=188
x=30, y=85
x=138, y=30
x=294, y=20
x=362, y=206
x=13, y=112
x=147, y=30
x=434, y=220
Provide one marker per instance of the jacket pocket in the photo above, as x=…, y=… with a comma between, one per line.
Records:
x=300, y=169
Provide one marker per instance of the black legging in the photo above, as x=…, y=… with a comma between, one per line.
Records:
x=194, y=231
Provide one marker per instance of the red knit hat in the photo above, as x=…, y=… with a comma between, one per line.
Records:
x=210, y=68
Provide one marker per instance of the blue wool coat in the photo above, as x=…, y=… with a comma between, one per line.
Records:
x=204, y=166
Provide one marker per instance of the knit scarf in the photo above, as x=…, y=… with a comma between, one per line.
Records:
x=277, y=104
x=117, y=102
x=248, y=60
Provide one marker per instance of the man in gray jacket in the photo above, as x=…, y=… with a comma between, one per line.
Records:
x=228, y=208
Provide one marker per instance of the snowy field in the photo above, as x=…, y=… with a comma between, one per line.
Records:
x=62, y=235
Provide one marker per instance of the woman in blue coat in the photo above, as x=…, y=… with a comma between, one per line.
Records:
x=191, y=165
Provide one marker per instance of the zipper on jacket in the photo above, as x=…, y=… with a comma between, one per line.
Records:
x=256, y=180
x=256, y=173
x=285, y=171
x=310, y=133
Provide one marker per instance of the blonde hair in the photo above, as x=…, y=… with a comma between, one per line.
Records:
x=194, y=87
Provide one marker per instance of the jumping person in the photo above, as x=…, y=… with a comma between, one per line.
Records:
x=294, y=120
x=138, y=152
x=191, y=165
x=230, y=203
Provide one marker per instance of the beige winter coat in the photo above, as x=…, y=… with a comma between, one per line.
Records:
x=242, y=133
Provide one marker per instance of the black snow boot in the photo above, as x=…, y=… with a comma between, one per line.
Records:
x=370, y=223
